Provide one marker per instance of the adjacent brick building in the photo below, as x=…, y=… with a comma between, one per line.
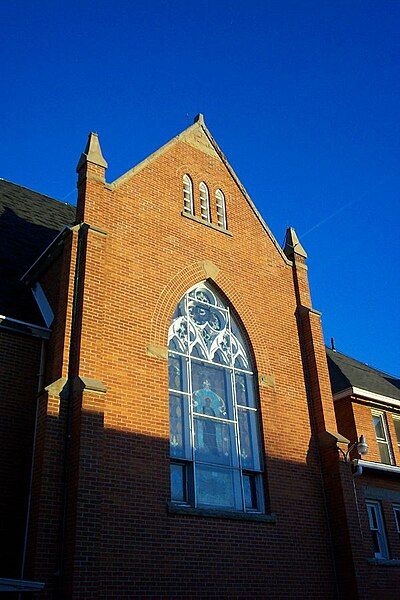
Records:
x=171, y=377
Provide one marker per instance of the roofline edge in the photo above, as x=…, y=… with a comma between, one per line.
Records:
x=355, y=391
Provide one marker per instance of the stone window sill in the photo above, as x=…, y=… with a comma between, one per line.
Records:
x=189, y=215
x=181, y=509
x=385, y=562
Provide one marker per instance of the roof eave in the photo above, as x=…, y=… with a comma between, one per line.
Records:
x=46, y=257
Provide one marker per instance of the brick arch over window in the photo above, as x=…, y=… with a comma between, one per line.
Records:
x=185, y=279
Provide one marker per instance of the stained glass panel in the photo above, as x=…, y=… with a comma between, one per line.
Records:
x=179, y=427
x=178, y=331
x=212, y=390
x=218, y=487
x=177, y=371
x=239, y=344
x=245, y=389
x=214, y=442
x=249, y=447
x=216, y=419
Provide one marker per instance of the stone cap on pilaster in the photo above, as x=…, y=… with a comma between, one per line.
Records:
x=292, y=247
x=92, y=153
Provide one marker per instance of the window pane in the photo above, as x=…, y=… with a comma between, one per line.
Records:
x=379, y=431
x=249, y=447
x=218, y=487
x=384, y=452
x=250, y=492
x=240, y=356
x=215, y=442
x=375, y=541
x=209, y=427
x=397, y=517
x=178, y=482
x=245, y=389
x=179, y=438
x=397, y=429
x=372, y=516
x=177, y=370
x=377, y=530
x=178, y=332
x=212, y=390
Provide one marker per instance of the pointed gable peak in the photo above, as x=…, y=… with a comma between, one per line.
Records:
x=199, y=118
x=198, y=136
x=292, y=244
x=92, y=153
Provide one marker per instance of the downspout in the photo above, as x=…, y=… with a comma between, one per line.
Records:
x=80, y=258
x=313, y=424
x=28, y=510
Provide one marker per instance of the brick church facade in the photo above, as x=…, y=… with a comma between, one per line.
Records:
x=170, y=374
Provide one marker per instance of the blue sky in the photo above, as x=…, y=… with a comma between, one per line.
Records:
x=302, y=96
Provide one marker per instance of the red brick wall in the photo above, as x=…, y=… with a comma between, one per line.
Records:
x=124, y=542
x=19, y=368
x=377, y=580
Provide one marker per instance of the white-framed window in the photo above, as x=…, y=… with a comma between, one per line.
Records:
x=377, y=528
x=382, y=437
x=204, y=202
x=396, y=422
x=188, y=205
x=215, y=443
x=396, y=510
x=221, y=208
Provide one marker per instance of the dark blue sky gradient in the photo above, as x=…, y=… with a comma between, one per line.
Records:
x=302, y=96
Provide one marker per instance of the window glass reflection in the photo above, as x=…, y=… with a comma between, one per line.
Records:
x=217, y=487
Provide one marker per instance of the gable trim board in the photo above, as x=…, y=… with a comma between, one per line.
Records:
x=354, y=391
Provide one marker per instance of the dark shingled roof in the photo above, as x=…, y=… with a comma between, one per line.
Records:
x=29, y=222
x=346, y=372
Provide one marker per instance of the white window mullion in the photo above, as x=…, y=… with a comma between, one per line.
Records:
x=382, y=437
x=377, y=528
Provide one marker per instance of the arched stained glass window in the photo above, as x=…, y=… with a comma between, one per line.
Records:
x=204, y=202
x=214, y=431
x=188, y=194
x=221, y=209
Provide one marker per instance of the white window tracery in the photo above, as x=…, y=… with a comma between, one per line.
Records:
x=214, y=436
